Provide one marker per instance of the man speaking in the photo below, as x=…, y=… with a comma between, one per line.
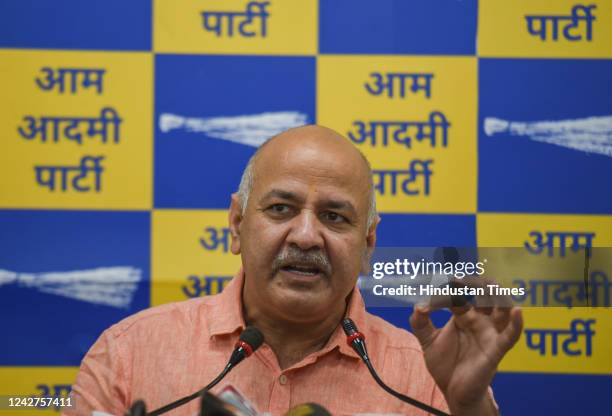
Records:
x=304, y=222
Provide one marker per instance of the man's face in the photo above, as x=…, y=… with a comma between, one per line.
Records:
x=303, y=237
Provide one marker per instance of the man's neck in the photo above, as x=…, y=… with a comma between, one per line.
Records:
x=292, y=342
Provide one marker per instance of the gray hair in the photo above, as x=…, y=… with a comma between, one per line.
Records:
x=247, y=180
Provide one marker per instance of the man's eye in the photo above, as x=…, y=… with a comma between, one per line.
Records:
x=334, y=217
x=278, y=209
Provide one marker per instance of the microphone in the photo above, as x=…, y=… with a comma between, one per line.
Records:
x=308, y=409
x=356, y=340
x=250, y=339
x=138, y=409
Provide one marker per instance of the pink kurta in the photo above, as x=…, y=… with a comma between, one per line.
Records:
x=167, y=352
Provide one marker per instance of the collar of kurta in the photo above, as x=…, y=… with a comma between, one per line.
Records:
x=228, y=311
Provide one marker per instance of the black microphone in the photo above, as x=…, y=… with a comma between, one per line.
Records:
x=250, y=339
x=308, y=409
x=138, y=409
x=356, y=340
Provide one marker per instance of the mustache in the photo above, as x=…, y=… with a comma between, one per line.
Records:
x=292, y=255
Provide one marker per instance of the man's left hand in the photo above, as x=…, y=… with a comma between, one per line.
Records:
x=463, y=356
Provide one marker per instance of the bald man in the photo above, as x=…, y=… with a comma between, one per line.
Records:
x=304, y=223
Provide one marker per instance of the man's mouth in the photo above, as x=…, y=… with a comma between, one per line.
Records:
x=304, y=270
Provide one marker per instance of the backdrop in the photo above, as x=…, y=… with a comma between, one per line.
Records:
x=125, y=126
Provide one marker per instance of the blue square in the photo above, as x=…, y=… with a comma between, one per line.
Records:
x=76, y=24
x=211, y=114
x=545, y=136
x=563, y=387
x=101, y=264
x=424, y=27
x=426, y=230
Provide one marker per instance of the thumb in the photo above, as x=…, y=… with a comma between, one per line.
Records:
x=512, y=332
x=422, y=326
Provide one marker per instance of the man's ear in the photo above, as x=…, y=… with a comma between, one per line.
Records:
x=235, y=219
x=370, y=246
x=371, y=235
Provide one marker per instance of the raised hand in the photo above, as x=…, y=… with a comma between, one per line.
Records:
x=463, y=356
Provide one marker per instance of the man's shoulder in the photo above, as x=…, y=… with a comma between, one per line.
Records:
x=164, y=317
x=389, y=335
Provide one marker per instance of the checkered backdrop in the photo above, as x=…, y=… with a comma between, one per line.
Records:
x=126, y=125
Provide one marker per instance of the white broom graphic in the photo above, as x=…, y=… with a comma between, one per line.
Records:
x=109, y=286
x=250, y=130
x=590, y=135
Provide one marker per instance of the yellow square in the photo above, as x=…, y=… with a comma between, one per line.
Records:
x=513, y=230
x=191, y=254
x=442, y=89
x=46, y=167
x=288, y=27
x=544, y=28
x=546, y=344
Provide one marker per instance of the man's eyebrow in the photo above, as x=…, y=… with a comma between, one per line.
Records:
x=281, y=194
x=339, y=204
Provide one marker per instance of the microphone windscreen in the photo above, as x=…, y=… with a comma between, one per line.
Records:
x=349, y=326
x=138, y=409
x=308, y=409
x=252, y=336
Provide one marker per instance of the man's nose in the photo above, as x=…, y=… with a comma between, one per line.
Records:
x=306, y=231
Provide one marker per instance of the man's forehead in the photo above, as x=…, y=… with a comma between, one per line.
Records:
x=309, y=167
x=315, y=150
x=315, y=164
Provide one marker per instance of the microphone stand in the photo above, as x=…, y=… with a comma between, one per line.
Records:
x=356, y=340
x=250, y=339
x=402, y=397
x=195, y=395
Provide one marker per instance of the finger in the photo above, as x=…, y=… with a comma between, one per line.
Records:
x=422, y=327
x=512, y=332
x=485, y=310
x=472, y=320
x=447, y=301
x=464, y=299
x=437, y=302
x=501, y=317
x=460, y=310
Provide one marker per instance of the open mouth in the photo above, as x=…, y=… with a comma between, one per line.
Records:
x=303, y=270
